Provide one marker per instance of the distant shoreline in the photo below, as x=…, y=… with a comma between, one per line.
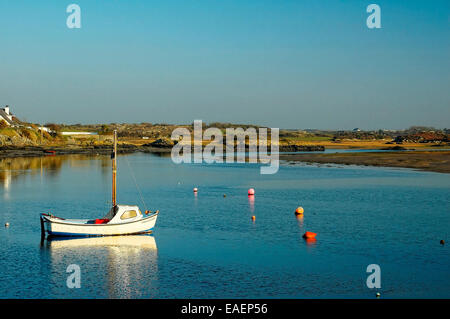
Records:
x=40, y=150
x=426, y=160
x=31, y=151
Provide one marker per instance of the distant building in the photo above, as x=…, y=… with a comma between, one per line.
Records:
x=356, y=130
x=6, y=115
x=45, y=129
x=79, y=133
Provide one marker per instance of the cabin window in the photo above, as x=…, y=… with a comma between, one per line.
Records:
x=128, y=214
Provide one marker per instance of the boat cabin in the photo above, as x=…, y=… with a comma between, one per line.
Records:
x=123, y=214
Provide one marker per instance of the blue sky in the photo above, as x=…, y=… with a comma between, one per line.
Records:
x=287, y=64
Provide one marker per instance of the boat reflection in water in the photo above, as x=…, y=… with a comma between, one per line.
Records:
x=111, y=266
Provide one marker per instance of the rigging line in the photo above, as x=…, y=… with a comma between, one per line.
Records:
x=135, y=182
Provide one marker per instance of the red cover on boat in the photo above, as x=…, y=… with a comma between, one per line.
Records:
x=102, y=221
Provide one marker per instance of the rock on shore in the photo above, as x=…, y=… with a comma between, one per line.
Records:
x=302, y=148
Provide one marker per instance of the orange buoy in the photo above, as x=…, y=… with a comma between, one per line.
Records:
x=195, y=190
x=309, y=235
x=299, y=210
x=251, y=191
x=253, y=218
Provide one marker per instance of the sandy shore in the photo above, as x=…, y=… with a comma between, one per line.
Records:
x=435, y=161
x=371, y=144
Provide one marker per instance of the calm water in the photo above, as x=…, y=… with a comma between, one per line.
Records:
x=206, y=246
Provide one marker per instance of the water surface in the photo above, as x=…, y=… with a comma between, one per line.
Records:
x=207, y=246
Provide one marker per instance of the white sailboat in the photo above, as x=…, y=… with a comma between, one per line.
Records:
x=120, y=220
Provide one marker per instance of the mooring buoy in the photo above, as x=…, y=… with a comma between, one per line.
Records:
x=309, y=235
x=299, y=210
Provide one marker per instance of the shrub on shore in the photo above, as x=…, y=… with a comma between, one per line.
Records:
x=3, y=124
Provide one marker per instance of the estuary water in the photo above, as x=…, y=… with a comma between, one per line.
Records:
x=207, y=246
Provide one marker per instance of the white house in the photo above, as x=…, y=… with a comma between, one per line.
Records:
x=45, y=129
x=6, y=115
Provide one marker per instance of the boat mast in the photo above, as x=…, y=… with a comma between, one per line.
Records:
x=114, y=169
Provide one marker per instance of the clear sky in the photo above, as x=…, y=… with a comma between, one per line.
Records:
x=280, y=63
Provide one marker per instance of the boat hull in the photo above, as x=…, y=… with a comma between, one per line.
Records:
x=60, y=227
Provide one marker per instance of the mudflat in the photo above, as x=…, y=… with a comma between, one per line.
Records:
x=435, y=161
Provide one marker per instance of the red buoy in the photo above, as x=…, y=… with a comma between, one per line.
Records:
x=195, y=190
x=309, y=235
x=251, y=191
